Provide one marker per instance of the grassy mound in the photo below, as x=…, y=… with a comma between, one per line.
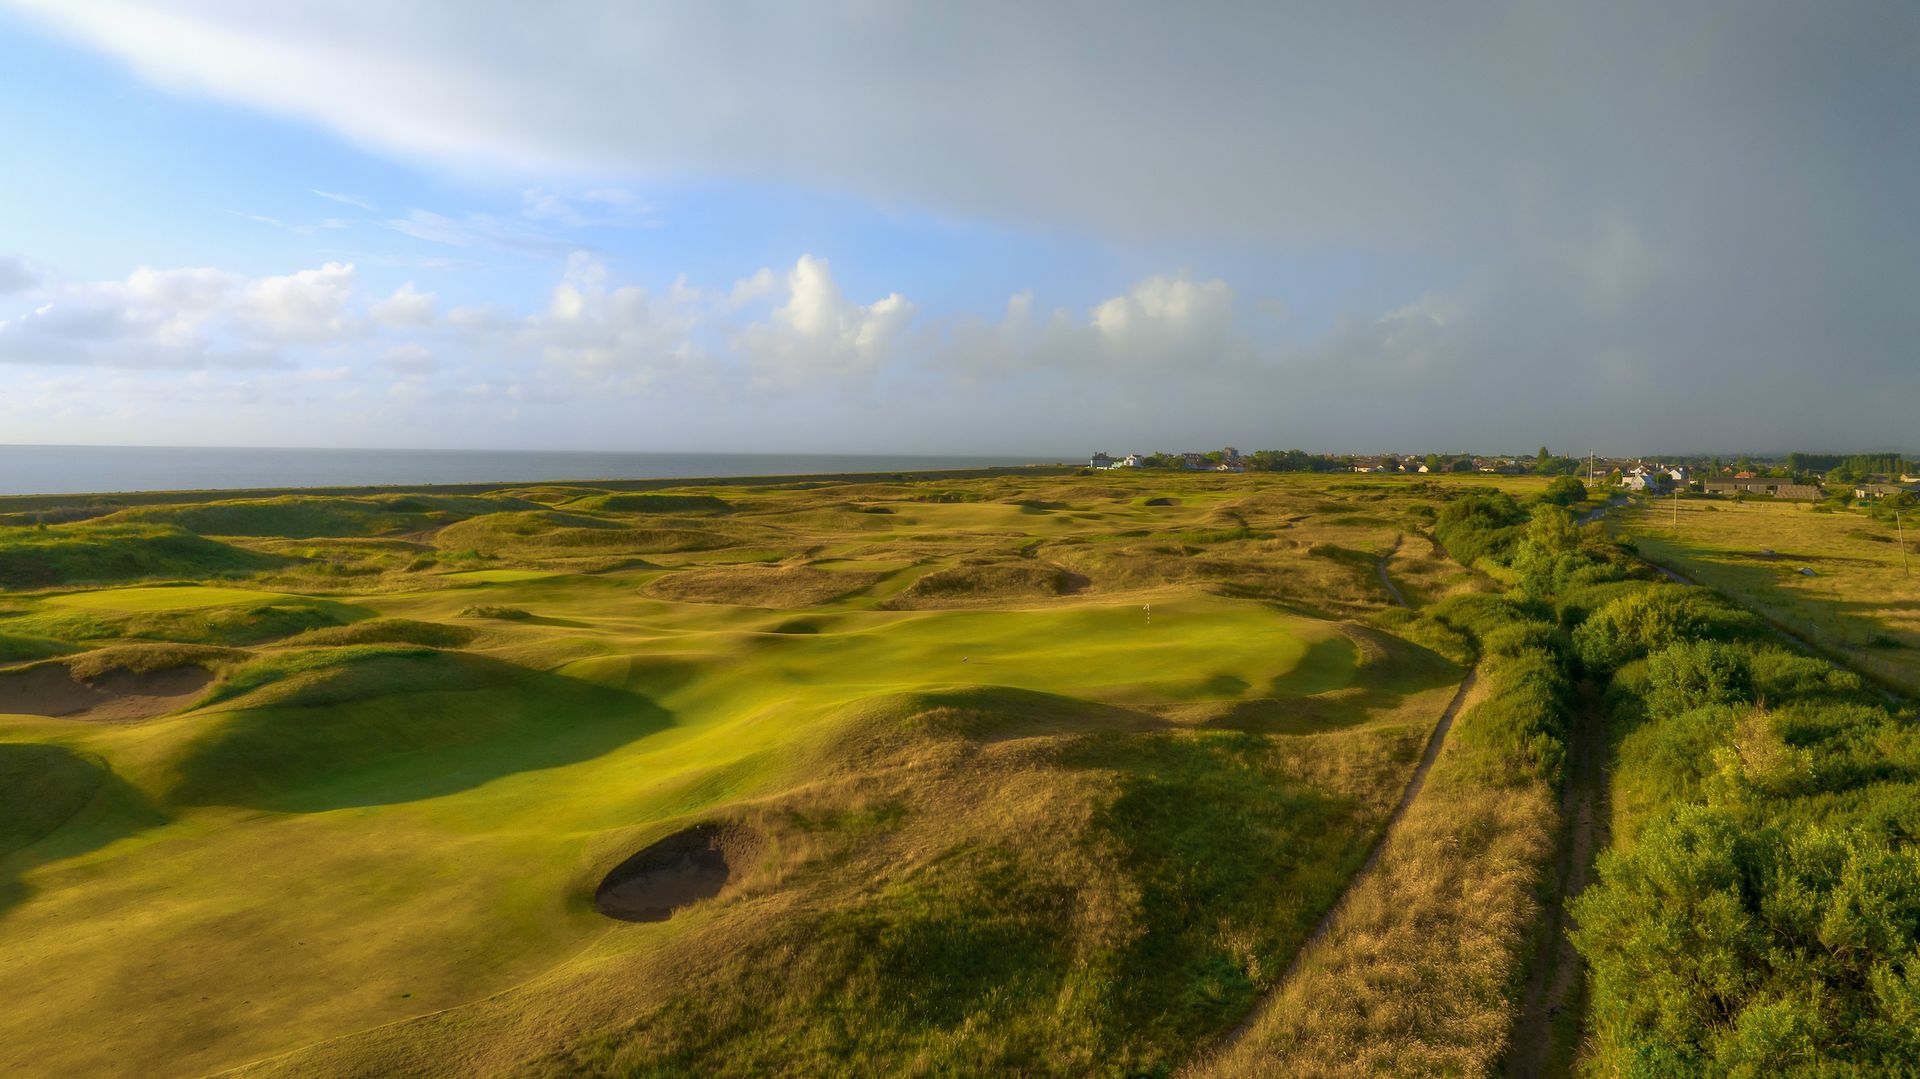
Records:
x=391, y=631
x=185, y=615
x=374, y=724
x=292, y=517
x=1142, y=925
x=987, y=583
x=650, y=503
x=760, y=586
x=41, y=786
x=104, y=553
x=546, y=533
x=25, y=648
x=146, y=658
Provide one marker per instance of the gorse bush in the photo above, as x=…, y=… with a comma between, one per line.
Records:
x=1479, y=526
x=1650, y=619
x=1760, y=912
x=1691, y=674
x=1724, y=949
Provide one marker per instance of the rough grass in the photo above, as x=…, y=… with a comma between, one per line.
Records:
x=89, y=553
x=650, y=503
x=1858, y=602
x=987, y=584
x=390, y=631
x=292, y=517
x=760, y=586
x=1418, y=970
x=554, y=535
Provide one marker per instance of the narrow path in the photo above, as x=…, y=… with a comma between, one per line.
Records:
x=1419, y=779
x=1546, y=1035
x=1392, y=589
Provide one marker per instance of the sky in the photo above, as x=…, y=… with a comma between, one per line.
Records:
x=998, y=228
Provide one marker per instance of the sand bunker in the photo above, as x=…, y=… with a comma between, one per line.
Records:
x=117, y=696
x=681, y=869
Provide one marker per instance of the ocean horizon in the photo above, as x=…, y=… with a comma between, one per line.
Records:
x=64, y=470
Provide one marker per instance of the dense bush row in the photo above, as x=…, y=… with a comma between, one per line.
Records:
x=1760, y=910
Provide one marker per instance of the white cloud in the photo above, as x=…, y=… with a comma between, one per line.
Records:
x=623, y=336
x=1167, y=320
x=407, y=307
x=185, y=317
x=310, y=305
x=818, y=331
x=753, y=288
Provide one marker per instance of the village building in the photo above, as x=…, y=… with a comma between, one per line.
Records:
x=1875, y=491
x=1100, y=460
x=1753, y=485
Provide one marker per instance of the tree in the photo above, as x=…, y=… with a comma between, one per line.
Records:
x=1564, y=491
x=1433, y=462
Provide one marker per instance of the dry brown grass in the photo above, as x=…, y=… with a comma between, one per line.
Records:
x=987, y=584
x=1416, y=973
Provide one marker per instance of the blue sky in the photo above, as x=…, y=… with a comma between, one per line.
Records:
x=866, y=228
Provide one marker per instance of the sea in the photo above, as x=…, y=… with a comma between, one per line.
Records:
x=54, y=470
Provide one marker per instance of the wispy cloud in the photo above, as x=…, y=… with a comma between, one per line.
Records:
x=349, y=200
x=481, y=230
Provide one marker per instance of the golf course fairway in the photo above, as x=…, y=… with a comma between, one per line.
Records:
x=1017, y=772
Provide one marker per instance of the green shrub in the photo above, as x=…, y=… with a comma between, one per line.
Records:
x=1717, y=948
x=1654, y=617
x=1692, y=674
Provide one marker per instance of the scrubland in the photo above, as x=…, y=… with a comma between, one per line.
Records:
x=1837, y=578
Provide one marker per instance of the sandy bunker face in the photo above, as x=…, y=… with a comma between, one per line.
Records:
x=682, y=869
x=117, y=696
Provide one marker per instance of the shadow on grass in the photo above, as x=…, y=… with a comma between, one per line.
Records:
x=1853, y=631
x=1389, y=670
x=56, y=804
x=398, y=728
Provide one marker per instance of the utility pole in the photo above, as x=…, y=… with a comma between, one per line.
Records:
x=1676, y=511
x=1901, y=529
